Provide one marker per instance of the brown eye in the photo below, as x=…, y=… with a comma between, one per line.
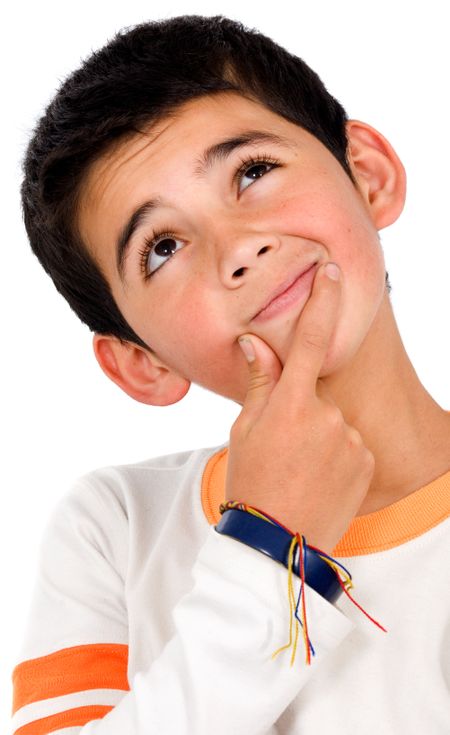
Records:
x=258, y=170
x=160, y=248
x=165, y=247
x=255, y=169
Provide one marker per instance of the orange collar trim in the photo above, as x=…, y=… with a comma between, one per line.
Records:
x=384, y=529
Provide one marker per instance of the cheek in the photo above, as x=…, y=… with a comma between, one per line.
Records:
x=340, y=225
x=194, y=342
x=215, y=364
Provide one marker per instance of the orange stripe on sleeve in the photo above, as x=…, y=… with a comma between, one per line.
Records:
x=71, y=718
x=93, y=666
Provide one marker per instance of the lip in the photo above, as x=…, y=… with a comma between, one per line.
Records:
x=288, y=293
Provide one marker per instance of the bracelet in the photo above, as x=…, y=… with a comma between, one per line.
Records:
x=315, y=568
x=275, y=542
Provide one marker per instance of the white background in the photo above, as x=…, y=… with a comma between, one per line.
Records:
x=388, y=64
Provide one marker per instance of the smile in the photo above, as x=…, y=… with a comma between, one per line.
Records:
x=297, y=292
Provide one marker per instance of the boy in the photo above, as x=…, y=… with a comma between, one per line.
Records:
x=209, y=211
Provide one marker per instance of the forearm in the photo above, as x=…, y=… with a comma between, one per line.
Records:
x=217, y=672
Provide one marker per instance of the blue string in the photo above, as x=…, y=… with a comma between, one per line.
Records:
x=296, y=615
x=322, y=553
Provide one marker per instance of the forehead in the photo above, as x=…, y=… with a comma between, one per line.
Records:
x=184, y=133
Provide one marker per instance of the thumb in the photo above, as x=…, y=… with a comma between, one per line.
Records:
x=264, y=372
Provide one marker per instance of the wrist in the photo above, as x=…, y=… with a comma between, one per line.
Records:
x=275, y=541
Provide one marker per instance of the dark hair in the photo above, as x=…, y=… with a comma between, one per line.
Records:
x=142, y=75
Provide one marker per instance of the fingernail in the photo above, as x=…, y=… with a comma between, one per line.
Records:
x=332, y=271
x=247, y=348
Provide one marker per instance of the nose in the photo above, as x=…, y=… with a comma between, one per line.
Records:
x=240, y=256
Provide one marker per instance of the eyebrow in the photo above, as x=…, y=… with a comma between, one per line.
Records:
x=218, y=152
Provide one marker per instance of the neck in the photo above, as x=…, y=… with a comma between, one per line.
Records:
x=402, y=425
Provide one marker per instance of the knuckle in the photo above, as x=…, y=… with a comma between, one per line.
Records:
x=369, y=459
x=313, y=340
x=354, y=437
x=366, y=464
x=364, y=457
x=333, y=417
x=258, y=381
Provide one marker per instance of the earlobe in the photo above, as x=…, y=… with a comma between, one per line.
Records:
x=379, y=172
x=138, y=373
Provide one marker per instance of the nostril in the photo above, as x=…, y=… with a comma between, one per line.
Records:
x=263, y=250
x=239, y=272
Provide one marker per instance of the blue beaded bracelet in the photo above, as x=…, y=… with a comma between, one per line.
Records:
x=275, y=542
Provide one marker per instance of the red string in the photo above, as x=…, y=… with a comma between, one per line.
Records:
x=359, y=606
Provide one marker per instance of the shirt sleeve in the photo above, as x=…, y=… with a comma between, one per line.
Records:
x=216, y=673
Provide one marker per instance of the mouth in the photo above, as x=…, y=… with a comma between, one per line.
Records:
x=288, y=294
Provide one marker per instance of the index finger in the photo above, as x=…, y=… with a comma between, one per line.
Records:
x=313, y=334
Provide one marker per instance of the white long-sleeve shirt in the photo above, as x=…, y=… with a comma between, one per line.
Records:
x=146, y=620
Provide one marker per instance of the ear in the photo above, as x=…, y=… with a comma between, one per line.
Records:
x=138, y=372
x=378, y=171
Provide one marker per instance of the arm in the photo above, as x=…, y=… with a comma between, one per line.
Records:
x=215, y=673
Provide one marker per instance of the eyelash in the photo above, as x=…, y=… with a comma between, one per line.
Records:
x=156, y=236
x=247, y=163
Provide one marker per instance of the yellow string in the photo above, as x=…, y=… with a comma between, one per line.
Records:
x=247, y=508
x=346, y=581
x=291, y=597
x=259, y=515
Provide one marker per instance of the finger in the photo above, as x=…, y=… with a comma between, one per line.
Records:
x=264, y=372
x=313, y=334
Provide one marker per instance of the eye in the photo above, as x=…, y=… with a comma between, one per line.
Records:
x=255, y=168
x=159, y=248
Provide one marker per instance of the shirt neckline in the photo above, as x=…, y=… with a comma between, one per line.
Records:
x=383, y=529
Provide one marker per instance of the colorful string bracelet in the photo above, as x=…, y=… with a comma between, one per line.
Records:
x=315, y=568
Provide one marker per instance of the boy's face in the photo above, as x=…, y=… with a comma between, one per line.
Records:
x=232, y=244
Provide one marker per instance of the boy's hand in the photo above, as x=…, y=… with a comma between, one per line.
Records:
x=291, y=454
